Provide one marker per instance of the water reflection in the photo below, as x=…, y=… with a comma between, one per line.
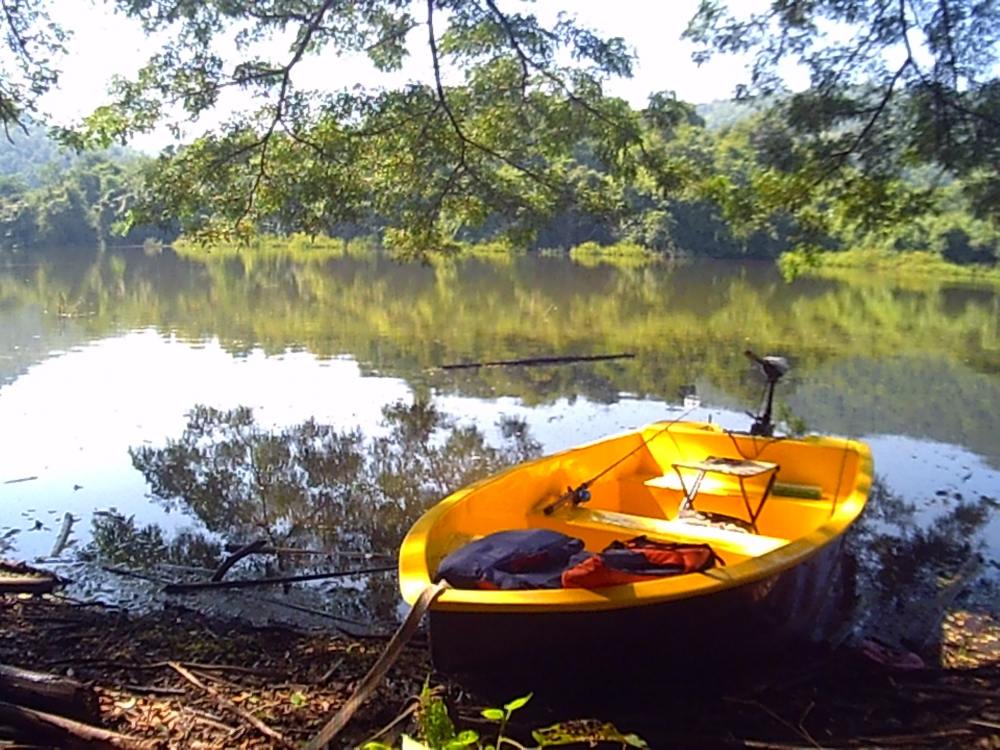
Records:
x=313, y=486
x=322, y=498
x=931, y=346
x=118, y=539
x=913, y=367
x=327, y=500
x=911, y=571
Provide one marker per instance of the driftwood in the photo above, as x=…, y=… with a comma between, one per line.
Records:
x=183, y=588
x=537, y=361
x=47, y=692
x=26, y=584
x=20, y=578
x=39, y=727
x=246, y=549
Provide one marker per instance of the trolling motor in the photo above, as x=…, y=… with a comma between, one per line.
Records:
x=774, y=368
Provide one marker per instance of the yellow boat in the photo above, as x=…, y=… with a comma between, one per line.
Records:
x=774, y=510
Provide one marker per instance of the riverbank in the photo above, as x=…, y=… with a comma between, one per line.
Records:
x=912, y=264
x=179, y=679
x=846, y=264
x=303, y=248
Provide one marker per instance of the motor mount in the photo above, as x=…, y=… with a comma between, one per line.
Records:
x=774, y=369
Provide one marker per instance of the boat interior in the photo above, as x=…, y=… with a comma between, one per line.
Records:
x=744, y=495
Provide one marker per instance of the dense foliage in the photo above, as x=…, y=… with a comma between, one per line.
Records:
x=51, y=197
x=893, y=87
x=503, y=128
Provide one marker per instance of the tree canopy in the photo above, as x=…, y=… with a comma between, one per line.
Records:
x=504, y=121
x=894, y=86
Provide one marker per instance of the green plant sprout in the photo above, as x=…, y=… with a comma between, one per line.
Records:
x=436, y=730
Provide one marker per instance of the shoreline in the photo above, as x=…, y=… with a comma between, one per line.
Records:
x=292, y=680
x=916, y=264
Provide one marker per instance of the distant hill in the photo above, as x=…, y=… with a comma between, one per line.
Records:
x=35, y=159
x=722, y=113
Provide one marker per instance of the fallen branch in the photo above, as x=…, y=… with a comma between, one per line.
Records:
x=909, y=740
x=153, y=690
x=985, y=724
x=67, y=733
x=139, y=667
x=378, y=671
x=537, y=361
x=406, y=713
x=183, y=588
x=22, y=479
x=337, y=619
x=239, y=554
x=227, y=704
x=952, y=689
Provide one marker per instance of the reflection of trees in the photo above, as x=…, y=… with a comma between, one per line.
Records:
x=117, y=539
x=911, y=569
x=310, y=485
x=913, y=348
x=334, y=495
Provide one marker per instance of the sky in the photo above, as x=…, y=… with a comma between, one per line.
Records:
x=104, y=44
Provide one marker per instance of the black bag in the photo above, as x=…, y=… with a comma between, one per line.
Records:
x=518, y=559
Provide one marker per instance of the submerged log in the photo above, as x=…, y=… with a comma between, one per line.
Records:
x=47, y=692
x=537, y=361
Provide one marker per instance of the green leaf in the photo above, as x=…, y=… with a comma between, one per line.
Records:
x=464, y=739
x=298, y=699
x=493, y=714
x=518, y=703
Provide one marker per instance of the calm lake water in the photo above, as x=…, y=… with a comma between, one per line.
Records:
x=172, y=405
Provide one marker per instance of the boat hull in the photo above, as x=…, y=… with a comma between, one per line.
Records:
x=781, y=584
x=802, y=605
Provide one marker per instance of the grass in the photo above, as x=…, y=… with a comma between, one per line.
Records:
x=625, y=254
x=296, y=246
x=914, y=263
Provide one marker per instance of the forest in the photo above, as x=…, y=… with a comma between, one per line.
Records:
x=53, y=197
x=302, y=268
x=510, y=133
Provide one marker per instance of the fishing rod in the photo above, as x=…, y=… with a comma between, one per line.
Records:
x=774, y=368
x=581, y=493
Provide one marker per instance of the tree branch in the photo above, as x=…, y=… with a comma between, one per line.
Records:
x=512, y=38
x=463, y=138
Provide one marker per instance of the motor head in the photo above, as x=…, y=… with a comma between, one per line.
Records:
x=774, y=367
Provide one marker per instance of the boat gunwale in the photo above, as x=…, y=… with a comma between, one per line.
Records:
x=415, y=576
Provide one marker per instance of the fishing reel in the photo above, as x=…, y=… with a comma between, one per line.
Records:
x=774, y=369
x=573, y=495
